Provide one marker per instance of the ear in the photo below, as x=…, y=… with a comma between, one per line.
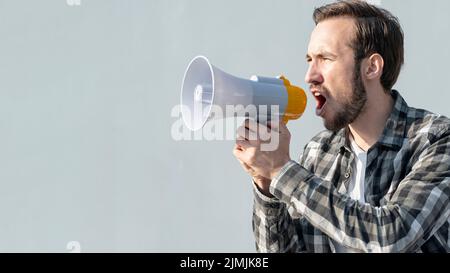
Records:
x=373, y=67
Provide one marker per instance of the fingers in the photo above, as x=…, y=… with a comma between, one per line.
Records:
x=255, y=135
x=262, y=130
x=243, y=144
x=246, y=167
x=239, y=154
x=245, y=133
x=253, y=131
x=241, y=151
x=251, y=124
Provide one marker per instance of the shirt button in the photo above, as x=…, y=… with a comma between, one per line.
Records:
x=347, y=175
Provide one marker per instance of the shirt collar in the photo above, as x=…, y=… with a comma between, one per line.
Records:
x=394, y=130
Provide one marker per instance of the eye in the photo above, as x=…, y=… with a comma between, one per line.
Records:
x=327, y=60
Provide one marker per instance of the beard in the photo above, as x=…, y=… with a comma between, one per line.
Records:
x=350, y=109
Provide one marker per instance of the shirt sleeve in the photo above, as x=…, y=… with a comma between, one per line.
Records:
x=415, y=211
x=273, y=228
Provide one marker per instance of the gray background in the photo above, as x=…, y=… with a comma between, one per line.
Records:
x=86, y=92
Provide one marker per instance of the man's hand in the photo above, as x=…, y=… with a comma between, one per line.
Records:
x=261, y=164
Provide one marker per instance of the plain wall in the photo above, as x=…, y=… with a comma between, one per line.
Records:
x=86, y=94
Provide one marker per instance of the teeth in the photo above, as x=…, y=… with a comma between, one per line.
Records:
x=316, y=94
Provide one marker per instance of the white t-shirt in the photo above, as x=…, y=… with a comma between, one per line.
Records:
x=356, y=185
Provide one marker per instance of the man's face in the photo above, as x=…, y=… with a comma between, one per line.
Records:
x=334, y=78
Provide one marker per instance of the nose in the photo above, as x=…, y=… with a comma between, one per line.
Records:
x=313, y=75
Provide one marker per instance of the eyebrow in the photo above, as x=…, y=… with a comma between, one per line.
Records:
x=321, y=54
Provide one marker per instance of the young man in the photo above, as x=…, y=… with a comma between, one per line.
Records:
x=378, y=179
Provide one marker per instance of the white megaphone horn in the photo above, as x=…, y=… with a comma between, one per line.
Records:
x=205, y=86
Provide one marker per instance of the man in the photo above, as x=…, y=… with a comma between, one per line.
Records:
x=378, y=179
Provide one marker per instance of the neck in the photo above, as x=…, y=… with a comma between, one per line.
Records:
x=369, y=125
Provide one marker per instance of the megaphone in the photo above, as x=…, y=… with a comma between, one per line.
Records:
x=205, y=86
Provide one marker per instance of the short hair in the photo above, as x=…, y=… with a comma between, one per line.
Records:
x=377, y=31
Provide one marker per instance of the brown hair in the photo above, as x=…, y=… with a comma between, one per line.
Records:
x=377, y=31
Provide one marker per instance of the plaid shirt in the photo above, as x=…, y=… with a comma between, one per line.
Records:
x=407, y=190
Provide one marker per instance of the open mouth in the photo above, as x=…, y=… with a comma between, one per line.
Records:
x=321, y=101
